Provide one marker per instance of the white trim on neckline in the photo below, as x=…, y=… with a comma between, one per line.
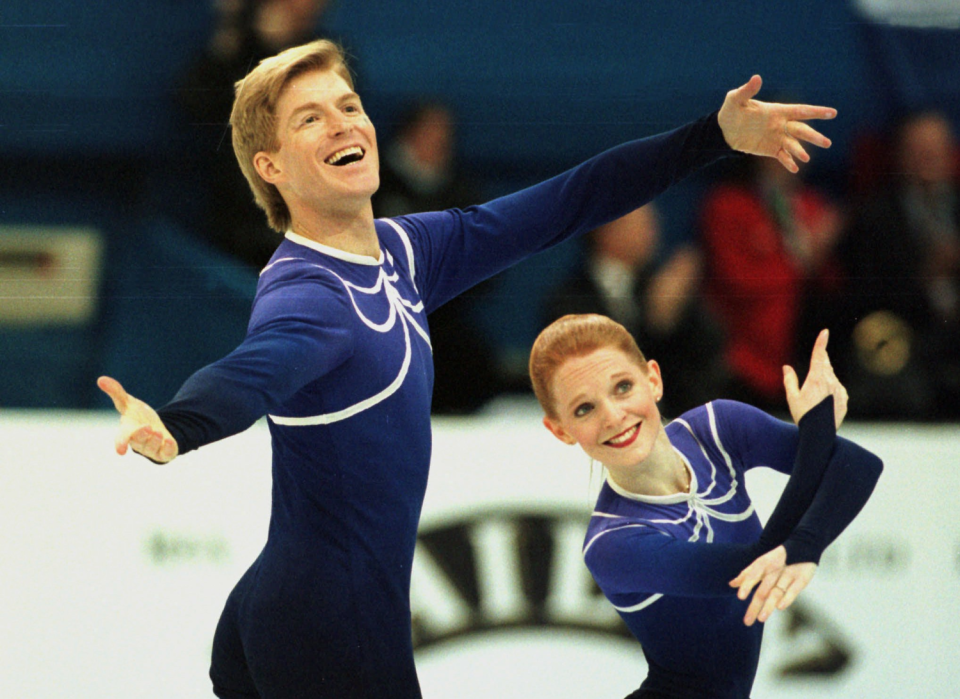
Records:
x=334, y=252
x=660, y=499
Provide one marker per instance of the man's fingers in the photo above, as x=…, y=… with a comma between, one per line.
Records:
x=151, y=445
x=793, y=147
x=168, y=450
x=804, y=132
x=116, y=392
x=787, y=161
x=766, y=586
x=766, y=598
x=749, y=89
x=747, y=586
x=148, y=442
x=141, y=438
x=802, y=112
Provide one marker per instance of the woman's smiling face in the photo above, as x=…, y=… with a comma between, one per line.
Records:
x=606, y=402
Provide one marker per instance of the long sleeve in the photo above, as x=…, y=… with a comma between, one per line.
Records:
x=817, y=432
x=847, y=484
x=228, y=396
x=830, y=477
x=639, y=559
x=462, y=248
x=298, y=332
x=831, y=481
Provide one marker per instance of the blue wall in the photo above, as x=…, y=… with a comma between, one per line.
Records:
x=89, y=133
x=538, y=83
x=556, y=81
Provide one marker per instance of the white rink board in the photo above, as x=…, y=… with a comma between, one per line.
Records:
x=113, y=570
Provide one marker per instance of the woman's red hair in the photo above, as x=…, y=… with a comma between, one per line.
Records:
x=575, y=336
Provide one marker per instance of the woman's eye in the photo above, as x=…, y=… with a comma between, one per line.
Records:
x=624, y=386
x=310, y=119
x=582, y=410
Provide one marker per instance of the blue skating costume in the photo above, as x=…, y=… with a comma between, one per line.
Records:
x=665, y=562
x=338, y=356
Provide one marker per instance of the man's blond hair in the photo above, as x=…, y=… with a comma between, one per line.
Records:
x=254, y=116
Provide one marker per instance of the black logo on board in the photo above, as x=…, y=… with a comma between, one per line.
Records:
x=498, y=569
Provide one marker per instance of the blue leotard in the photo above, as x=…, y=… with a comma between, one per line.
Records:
x=338, y=356
x=665, y=561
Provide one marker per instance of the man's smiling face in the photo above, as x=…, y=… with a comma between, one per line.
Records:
x=327, y=159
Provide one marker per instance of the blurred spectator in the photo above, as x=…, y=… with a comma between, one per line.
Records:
x=246, y=32
x=657, y=300
x=418, y=168
x=902, y=255
x=419, y=172
x=772, y=277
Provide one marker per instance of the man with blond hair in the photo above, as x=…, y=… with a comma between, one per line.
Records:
x=337, y=355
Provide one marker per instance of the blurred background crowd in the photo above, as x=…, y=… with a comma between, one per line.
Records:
x=130, y=244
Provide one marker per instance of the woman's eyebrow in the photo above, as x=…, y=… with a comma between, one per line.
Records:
x=577, y=400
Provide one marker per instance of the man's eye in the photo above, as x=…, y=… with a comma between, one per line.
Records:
x=582, y=410
x=310, y=119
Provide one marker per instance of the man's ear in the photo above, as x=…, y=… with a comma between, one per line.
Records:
x=557, y=431
x=267, y=168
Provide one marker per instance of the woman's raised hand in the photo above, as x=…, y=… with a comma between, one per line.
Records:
x=820, y=383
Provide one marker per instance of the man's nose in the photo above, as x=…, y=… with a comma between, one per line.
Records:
x=339, y=124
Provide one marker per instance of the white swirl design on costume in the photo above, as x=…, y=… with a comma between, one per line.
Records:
x=699, y=506
x=399, y=308
x=703, y=506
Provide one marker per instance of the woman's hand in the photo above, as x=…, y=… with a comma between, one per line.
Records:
x=779, y=584
x=820, y=383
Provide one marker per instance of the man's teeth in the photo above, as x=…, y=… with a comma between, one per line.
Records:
x=353, y=153
x=620, y=439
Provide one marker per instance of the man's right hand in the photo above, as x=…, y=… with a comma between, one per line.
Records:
x=140, y=427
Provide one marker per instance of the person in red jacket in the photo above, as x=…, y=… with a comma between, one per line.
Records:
x=768, y=242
